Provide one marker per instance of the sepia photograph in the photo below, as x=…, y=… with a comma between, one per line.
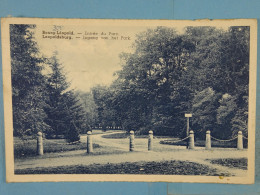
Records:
x=129, y=100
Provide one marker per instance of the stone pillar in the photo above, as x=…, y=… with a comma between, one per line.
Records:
x=191, y=140
x=150, y=140
x=132, y=141
x=187, y=131
x=240, y=141
x=39, y=144
x=208, y=141
x=89, y=142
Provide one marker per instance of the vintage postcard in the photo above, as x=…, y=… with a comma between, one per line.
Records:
x=129, y=100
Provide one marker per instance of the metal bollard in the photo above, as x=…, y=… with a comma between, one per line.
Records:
x=132, y=141
x=208, y=141
x=89, y=142
x=191, y=140
x=240, y=141
x=39, y=144
x=150, y=140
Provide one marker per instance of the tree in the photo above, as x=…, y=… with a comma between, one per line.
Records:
x=204, y=111
x=90, y=109
x=75, y=116
x=106, y=115
x=204, y=66
x=225, y=113
x=28, y=82
x=65, y=113
x=237, y=67
x=170, y=74
x=149, y=81
x=221, y=62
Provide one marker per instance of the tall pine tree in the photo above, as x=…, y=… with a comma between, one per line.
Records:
x=65, y=113
x=28, y=82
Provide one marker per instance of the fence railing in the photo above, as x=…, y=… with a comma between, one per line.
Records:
x=191, y=143
x=239, y=138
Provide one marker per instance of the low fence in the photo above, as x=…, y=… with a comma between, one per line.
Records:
x=207, y=142
x=190, y=139
x=239, y=139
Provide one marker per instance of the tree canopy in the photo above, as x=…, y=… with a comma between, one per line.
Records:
x=203, y=70
x=28, y=84
x=41, y=102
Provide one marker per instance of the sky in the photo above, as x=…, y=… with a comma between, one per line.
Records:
x=89, y=62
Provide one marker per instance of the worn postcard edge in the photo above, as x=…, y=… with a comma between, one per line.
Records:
x=6, y=69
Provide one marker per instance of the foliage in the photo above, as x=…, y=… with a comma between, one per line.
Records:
x=41, y=102
x=204, y=106
x=240, y=163
x=65, y=113
x=225, y=113
x=28, y=83
x=24, y=148
x=173, y=167
x=90, y=109
x=106, y=115
x=203, y=70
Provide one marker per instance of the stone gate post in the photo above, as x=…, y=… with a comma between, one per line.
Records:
x=150, y=140
x=39, y=144
x=89, y=142
x=191, y=140
x=208, y=141
x=240, y=141
x=132, y=141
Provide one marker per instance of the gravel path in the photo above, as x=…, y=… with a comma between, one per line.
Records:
x=119, y=153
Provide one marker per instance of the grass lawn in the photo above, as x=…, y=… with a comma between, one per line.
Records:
x=201, y=143
x=28, y=147
x=240, y=163
x=152, y=168
x=95, y=132
x=123, y=135
x=172, y=141
x=116, y=136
